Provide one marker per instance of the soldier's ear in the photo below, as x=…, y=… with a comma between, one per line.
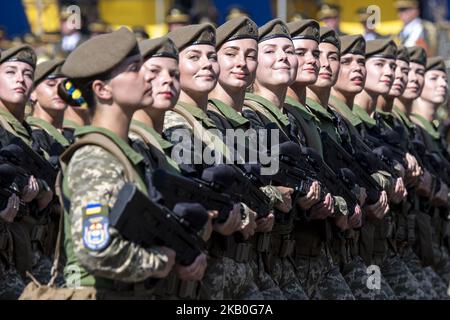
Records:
x=102, y=90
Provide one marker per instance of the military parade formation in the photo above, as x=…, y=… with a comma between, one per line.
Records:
x=286, y=161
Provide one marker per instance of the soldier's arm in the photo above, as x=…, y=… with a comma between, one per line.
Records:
x=94, y=178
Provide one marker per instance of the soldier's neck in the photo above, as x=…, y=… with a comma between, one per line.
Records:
x=347, y=98
x=151, y=117
x=54, y=117
x=80, y=116
x=233, y=97
x=319, y=95
x=114, y=119
x=385, y=103
x=424, y=108
x=196, y=99
x=404, y=105
x=275, y=94
x=367, y=100
x=297, y=91
x=17, y=110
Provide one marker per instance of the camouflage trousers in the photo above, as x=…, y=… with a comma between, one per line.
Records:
x=322, y=279
x=400, y=278
x=430, y=282
x=267, y=286
x=356, y=273
x=227, y=279
x=441, y=262
x=41, y=270
x=11, y=283
x=285, y=275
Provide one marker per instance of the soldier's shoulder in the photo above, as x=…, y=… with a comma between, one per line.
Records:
x=175, y=120
x=92, y=157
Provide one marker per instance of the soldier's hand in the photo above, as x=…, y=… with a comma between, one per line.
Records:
x=440, y=199
x=312, y=198
x=31, y=190
x=45, y=197
x=355, y=221
x=194, y=271
x=362, y=196
x=286, y=194
x=171, y=254
x=232, y=224
x=265, y=224
x=212, y=214
x=399, y=192
x=413, y=172
x=424, y=186
x=379, y=209
x=323, y=210
x=249, y=229
x=12, y=207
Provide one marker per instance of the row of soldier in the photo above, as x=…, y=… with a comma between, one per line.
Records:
x=361, y=112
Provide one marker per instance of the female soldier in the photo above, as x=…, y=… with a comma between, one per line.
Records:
x=74, y=118
x=95, y=169
x=198, y=76
x=30, y=233
x=277, y=68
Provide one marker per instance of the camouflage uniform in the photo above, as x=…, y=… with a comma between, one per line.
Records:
x=221, y=265
x=92, y=179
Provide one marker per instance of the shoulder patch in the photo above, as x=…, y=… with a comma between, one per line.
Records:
x=95, y=227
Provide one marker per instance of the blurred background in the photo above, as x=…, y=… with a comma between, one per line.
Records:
x=56, y=27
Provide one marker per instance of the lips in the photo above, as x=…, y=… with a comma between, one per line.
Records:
x=240, y=75
x=325, y=75
x=166, y=94
x=19, y=90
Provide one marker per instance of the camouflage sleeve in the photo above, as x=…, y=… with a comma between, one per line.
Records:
x=384, y=179
x=94, y=178
x=273, y=194
x=340, y=206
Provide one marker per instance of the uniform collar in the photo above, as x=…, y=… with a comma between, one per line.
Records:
x=320, y=111
x=197, y=113
x=364, y=116
x=427, y=125
x=344, y=109
x=307, y=114
x=50, y=129
x=233, y=117
x=162, y=142
x=21, y=128
x=280, y=116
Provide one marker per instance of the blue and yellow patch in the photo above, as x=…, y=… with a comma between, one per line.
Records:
x=95, y=227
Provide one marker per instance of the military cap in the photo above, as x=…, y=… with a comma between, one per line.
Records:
x=305, y=29
x=100, y=54
x=193, y=34
x=237, y=28
x=436, y=63
x=328, y=11
x=382, y=48
x=178, y=14
x=354, y=44
x=402, y=53
x=22, y=53
x=158, y=47
x=273, y=29
x=406, y=4
x=328, y=35
x=48, y=69
x=417, y=55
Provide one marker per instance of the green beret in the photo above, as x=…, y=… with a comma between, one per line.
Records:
x=237, y=28
x=194, y=34
x=328, y=35
x=100, y=54
x=48, y=69
x=22, y=53
x=417, y=55
x=382, y=48
x=158, y=47
x=402, y=53
x=305, y=29
x=436, y=63
x=273, y=29
x=354, y=44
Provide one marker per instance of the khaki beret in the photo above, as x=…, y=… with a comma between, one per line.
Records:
x=382, y=48
x=328, y=11
x=305, y=29
x=406, y=4
x=417, y=55
x=436, y=63
x=237, y=28
x=273, y=29
x=100, y=54
x=22, y=53
x=194, y=34
x=328, y=35
x=48, y=69
x=402, y=53
x=354, y=44
x=158, y=47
